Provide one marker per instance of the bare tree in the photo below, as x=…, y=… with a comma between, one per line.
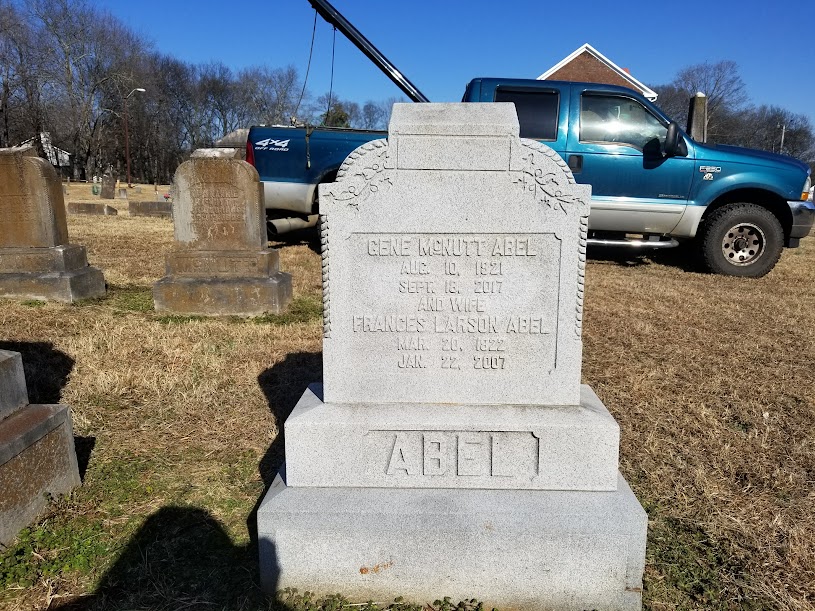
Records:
x=372, y=116
x=719, y=81
x=273, y=93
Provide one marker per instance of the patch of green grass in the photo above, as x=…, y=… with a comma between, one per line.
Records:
x=34, y=303
x=55, y=546
x=131, y=298
x=303, y=309
x=692, y=565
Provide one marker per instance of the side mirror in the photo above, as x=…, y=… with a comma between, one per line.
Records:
x=674, y=143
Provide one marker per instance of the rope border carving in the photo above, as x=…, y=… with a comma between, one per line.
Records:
x=325, y=267
x=581, y=273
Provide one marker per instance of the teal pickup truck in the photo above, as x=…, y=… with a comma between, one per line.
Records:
x=652, y=185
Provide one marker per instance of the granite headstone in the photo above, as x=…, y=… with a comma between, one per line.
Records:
x=108, y=186
x=452, y=449
x=221, y=264
x=36, y=260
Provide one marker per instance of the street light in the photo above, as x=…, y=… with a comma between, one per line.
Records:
x=127, y=141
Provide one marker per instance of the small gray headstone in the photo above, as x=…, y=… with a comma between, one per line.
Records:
x=161, y=209
x=91, y=208
x=108, y=187
x=122, y=193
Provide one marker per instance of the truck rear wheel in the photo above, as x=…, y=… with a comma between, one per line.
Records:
x=741, y=240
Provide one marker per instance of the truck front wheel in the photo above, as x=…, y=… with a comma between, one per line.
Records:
x=741, y=240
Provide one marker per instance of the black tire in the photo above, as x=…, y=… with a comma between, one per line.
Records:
x=741, y=240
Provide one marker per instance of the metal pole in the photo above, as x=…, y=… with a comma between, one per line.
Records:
x=127, y=137
x=127, y=144
x=335, y=18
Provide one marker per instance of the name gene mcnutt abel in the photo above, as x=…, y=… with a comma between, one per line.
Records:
x=453, y=301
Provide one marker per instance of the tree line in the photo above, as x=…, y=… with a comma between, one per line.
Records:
x=75, y=72
x=732, y=118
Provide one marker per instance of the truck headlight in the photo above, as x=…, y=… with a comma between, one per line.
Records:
x=807, y=186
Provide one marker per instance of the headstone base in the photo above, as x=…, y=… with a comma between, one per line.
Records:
x=70, y=286
x=223, y=296
x=37, y=460
x=522, y=549
x=415, y=445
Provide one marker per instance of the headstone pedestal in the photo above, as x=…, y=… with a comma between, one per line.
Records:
x=37, y=456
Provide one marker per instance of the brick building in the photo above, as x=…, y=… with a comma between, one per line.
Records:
x=588, y=65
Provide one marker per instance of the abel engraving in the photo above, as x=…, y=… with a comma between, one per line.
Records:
x=486, y=454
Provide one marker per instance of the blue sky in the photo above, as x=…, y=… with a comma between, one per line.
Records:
x=441, y=44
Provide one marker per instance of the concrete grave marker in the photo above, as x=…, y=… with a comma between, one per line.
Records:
x=108, y=186
x=158, y=209
x=122, y=193
x=221, y=264
x=89, y=208
x=36, y=260
x=37, y=456
x=453, y=273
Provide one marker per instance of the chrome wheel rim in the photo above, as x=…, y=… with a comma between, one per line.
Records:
x=743, y=244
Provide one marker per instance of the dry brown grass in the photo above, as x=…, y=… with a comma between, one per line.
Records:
x=710, y=378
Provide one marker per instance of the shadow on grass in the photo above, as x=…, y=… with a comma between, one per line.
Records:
x=283, y=385
x=180, y=558
x=682, y=257
x=46, y=369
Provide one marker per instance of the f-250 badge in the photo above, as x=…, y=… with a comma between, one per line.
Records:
x=709, y=171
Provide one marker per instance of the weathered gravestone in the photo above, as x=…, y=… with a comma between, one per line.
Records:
x=37, y=456
x=452, y=450
x=36, y=261
x=221, y=264
x=89, y=208
x=156, y=209
x=108, y=186
x=122, y=193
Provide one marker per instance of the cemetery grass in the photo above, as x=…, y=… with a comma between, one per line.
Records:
x=177, y=422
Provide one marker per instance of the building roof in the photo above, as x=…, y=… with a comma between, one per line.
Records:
x=56, y=156
x=623, y=76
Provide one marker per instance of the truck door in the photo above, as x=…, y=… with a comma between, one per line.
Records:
x=614, y=144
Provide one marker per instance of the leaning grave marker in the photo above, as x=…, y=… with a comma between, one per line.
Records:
x=221, y=264
x=36, y=260
x=452, y=449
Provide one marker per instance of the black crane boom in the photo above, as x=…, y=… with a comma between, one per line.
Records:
x=335, y=18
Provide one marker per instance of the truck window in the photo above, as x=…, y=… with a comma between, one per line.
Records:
x=619, y=120
x=537, y=111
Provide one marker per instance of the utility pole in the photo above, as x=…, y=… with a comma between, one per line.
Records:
x=127, y=139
